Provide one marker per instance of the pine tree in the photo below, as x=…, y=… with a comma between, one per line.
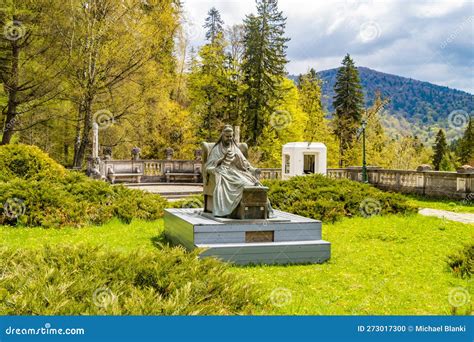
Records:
x=213, y=24
x=465, y=149
x=263, y=66
x=440, y=149
x=29, y=64
x=348, y=104
x=208, y=81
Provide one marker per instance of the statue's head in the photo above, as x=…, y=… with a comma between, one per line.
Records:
x=227, y=135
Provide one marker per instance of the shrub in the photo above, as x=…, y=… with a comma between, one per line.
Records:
x=326, y=199
x=90, y=280
x=462, y=262
x=195, y=201
x=36, y=191
x=27, y=162
x=74, y=201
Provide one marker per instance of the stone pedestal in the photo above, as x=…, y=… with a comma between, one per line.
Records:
x=284, y=239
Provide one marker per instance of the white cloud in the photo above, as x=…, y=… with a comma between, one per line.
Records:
x=430, y=40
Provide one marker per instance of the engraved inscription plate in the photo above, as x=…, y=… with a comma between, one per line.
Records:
x=262, y=236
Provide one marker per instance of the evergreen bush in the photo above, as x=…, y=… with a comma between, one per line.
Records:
x=36, y=191
x=89, y=280
x=327, y=199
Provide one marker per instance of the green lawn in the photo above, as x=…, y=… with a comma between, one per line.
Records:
x=442, y=204
x=380, y=265
x=114, y=235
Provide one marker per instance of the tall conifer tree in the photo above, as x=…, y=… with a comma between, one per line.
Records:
x=263, y=65
x=440, y=149
x=466, y=145
x=213, y=24
x=348, y=104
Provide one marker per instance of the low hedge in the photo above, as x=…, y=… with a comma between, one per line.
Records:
x=327, y=199
x=36, y=191
x=74, y=201
x=93, y=281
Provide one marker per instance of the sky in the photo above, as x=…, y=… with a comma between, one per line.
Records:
x=426, y=40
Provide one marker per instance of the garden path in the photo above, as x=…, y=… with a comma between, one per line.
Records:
x=449, y=215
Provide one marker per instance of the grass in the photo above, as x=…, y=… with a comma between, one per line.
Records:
x=114, y=235
x=381, y=265
x=442, y=204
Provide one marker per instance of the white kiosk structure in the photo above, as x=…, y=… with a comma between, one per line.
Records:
x=302, y=158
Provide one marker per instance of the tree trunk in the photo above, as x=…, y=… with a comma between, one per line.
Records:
x=12, y=87
x=341, y=153
x=80, y=149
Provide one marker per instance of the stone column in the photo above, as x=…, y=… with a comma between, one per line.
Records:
x=95, y=140
x=169, y=153
x=237, y=134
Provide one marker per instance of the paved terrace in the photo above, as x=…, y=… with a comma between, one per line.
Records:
x=172, y=191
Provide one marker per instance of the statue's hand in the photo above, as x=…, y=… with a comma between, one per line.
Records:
x=256, y=172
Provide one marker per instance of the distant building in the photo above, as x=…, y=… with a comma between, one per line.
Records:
x=302, y=158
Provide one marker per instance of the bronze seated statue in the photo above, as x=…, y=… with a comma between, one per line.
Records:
x=231, y=186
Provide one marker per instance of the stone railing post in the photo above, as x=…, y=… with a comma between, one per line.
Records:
x=464, y=179
x=420, y=178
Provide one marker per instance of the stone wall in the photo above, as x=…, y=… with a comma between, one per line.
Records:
x=456, y=185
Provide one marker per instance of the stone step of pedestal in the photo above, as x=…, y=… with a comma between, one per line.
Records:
x=315, y=251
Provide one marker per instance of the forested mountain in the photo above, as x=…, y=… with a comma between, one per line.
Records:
x=416, y=100
x=415, y=104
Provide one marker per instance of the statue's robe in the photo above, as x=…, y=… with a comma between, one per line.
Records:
x=230, y=178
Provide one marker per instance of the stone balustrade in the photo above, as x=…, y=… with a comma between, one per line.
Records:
x=456, y=185
x=423, y=181
x=154, y=170
x=270, y=173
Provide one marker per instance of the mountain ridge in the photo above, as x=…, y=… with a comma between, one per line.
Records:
x=412, y=98
x=416, y=107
